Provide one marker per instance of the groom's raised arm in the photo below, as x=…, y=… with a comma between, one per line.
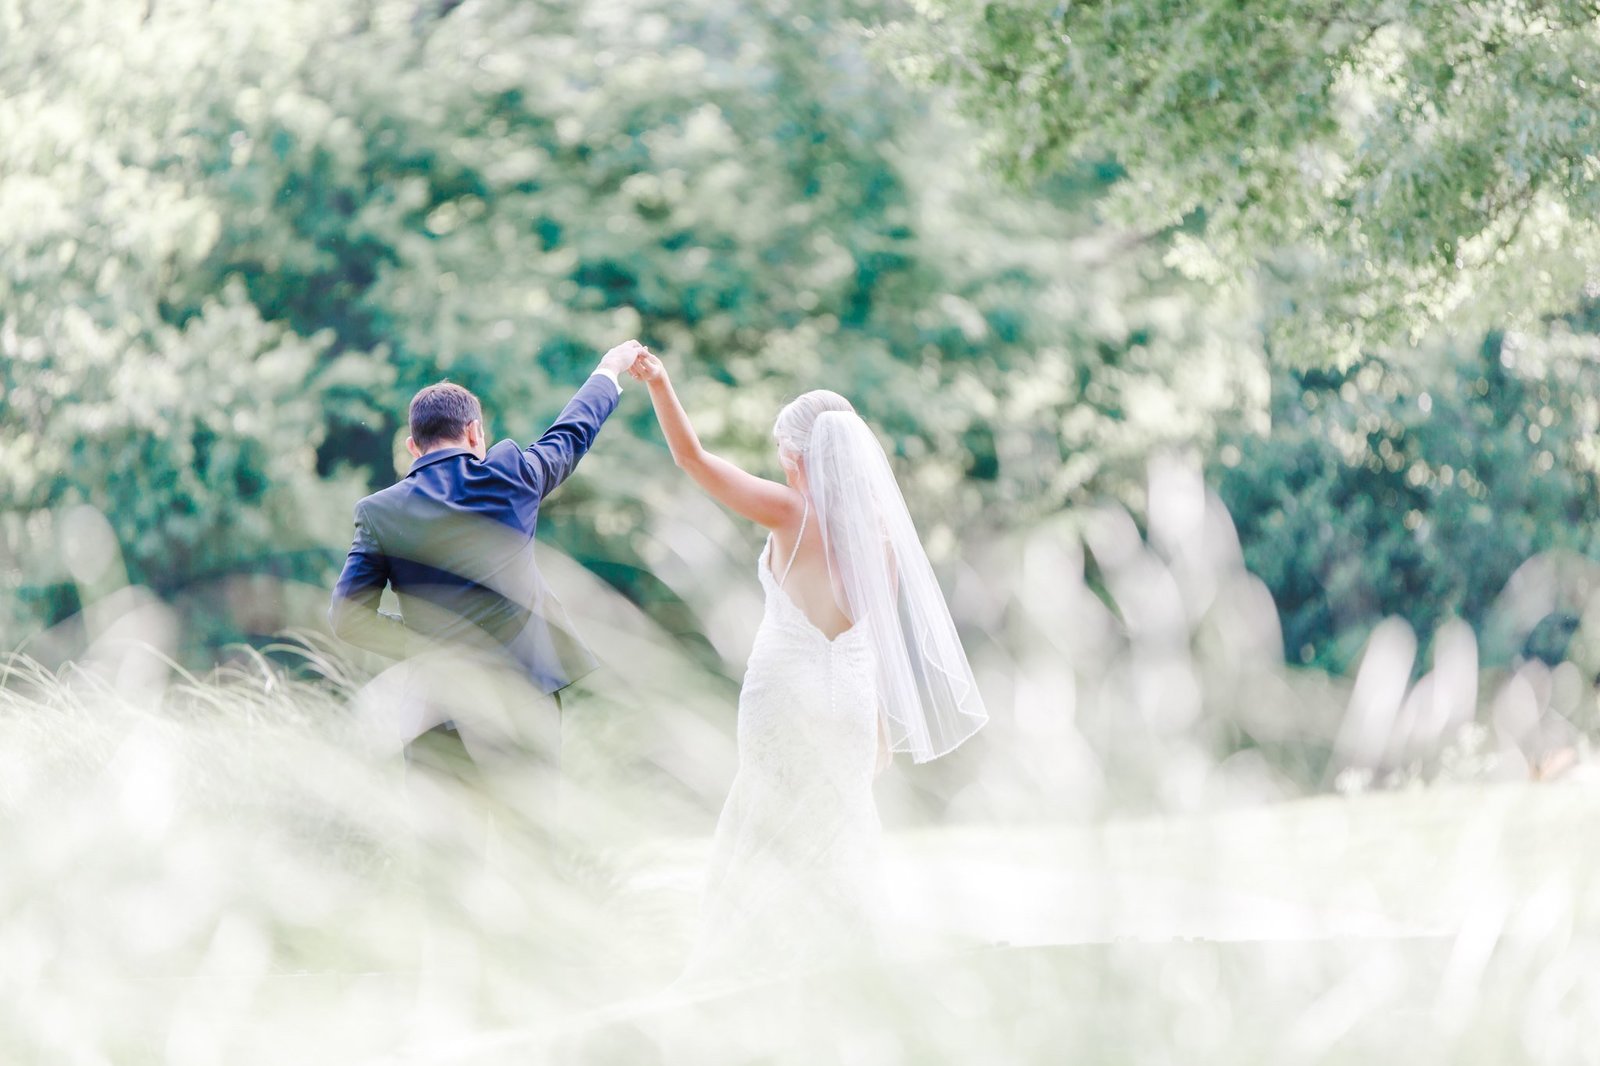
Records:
x=552, y=458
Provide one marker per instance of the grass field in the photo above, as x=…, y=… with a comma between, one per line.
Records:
x=222, y=871
x=1449, y=926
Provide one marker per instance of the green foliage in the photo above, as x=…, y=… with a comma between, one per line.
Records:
x=234, y=239
x=1418, y=490
x=282, y=218
x=197, y=432
x=1376, y=168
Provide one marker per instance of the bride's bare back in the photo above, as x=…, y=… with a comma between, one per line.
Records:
x=809, y=581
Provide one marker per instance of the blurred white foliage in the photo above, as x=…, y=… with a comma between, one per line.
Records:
x=232, y=870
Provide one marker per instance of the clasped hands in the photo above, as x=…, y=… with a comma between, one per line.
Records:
x=636, y=360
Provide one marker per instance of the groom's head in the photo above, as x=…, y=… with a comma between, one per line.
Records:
x=445, y=416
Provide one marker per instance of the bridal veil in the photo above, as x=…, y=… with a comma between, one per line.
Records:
x=929, y=700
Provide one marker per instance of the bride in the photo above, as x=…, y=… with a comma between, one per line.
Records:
x=856, y=658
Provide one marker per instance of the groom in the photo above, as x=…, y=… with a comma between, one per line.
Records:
x=487, y=647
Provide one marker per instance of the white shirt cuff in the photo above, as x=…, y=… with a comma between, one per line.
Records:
x=606, y=372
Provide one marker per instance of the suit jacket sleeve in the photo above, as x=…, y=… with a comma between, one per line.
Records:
x=548, y=461
x=354, y=613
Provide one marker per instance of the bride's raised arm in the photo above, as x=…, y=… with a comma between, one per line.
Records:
x=770, y=503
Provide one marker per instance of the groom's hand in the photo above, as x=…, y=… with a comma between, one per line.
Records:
x=619, y=359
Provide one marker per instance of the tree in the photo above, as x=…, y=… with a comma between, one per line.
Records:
x=196, y=434
x=1417, y=489
x=497, y=191
x=1371, y=169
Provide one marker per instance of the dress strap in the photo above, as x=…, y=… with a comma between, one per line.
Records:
x=797, y=539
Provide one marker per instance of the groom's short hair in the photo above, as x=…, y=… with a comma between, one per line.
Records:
x=441, y=412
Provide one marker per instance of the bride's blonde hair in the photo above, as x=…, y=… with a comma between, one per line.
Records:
x=793, y=427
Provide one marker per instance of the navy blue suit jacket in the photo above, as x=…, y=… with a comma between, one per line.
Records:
x=454, y=538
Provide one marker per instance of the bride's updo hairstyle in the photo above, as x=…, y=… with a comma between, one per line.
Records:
x=795, y=421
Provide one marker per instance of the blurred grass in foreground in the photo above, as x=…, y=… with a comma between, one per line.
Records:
x=177, y=893
x=1132, y=864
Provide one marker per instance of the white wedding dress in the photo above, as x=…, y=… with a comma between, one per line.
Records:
x=793, y=881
